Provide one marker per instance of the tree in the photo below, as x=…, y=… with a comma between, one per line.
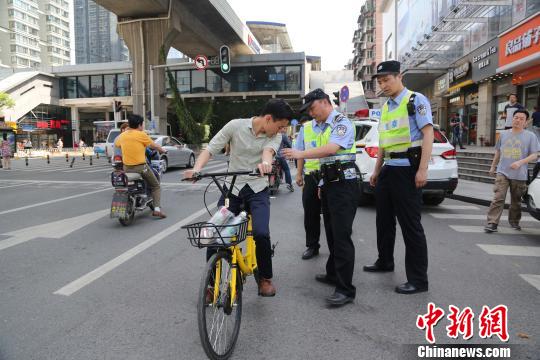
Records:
x=192, y=131
x=6, y=102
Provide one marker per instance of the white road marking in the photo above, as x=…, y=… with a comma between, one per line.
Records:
x=52, y=201
x=501, y=230
x=510, y=250
x=534, y=280
x=92, y=276
x=54, y=230
x=474, y=217
x=458, y=207
x=10, y=186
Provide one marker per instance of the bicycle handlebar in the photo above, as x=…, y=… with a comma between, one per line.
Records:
x=198, y=176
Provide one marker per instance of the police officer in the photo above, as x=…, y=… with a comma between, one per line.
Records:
x=336, y=153
x=308, y=175
x=405, y=143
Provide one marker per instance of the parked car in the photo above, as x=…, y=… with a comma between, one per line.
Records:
x=178, y=154
x=109, y=143
x=99, y=148
x=442, y=170
x=532, y=198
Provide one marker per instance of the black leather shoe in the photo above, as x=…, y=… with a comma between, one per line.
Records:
x=338, y=299
x=325, y=279
x=310, y=253
x=409, y=288
x=378, y=268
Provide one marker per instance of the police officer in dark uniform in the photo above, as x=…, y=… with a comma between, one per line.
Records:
x=336, y=154
x=405, y=143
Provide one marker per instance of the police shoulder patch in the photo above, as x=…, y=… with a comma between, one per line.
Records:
x=422, y=110
x=341, y=130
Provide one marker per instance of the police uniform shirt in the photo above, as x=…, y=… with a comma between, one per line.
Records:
x=342, y=134
x=416, y=123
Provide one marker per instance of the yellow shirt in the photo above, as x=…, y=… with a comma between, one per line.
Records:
x=133, y=144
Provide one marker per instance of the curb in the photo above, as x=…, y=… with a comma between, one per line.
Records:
x=481, y=202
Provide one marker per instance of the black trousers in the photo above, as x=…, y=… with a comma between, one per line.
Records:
x=397, y=196
x=312, y=211
x=339, y=208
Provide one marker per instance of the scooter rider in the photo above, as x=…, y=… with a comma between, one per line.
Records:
x=133, y=143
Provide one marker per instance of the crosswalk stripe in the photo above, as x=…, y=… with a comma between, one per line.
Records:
x=501, y=230
x=510, y=250
x=534, y=280
x=10, y=186
x=458, y=207
x=474, y=217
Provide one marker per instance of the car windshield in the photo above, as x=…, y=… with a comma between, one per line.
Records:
x=438, y=137
x=361, y=131
x=113, y=135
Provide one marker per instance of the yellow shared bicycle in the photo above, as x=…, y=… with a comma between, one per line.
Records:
x=219, y=303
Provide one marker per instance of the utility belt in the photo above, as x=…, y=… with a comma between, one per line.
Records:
x=316, y=174
x=413, y=154
x=336, y=171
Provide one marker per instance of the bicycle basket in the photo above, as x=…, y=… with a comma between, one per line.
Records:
x=205, y=234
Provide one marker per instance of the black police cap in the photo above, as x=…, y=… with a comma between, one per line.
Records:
x=310, y=97
x=388, y=67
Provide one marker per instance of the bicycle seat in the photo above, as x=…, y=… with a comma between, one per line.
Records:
x=133, y=176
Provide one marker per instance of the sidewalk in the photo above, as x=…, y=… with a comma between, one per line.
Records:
x=477, y=193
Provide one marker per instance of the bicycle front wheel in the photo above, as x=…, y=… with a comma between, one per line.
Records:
x=218, y=315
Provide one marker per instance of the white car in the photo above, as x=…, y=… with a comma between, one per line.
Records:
x=109, y=143
x=442, y=170
x=178, y=154
x=532, y=199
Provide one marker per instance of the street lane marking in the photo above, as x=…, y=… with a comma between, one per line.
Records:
x=534, y=280
x=501, y=230
x=10, y=186
x=458, y=207
x=510, y=250
x=92, y=276
x=53, y=201
x=474, y=217
x=53, y=230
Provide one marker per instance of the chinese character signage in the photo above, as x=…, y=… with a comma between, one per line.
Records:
x=520, y=43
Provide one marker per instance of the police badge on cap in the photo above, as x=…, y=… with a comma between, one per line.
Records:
x=391, y=67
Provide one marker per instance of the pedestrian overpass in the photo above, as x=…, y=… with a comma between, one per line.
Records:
x=193, y=27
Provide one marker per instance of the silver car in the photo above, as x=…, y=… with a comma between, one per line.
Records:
x=178, y=154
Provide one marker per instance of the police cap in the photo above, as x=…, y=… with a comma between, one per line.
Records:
x=310, y=97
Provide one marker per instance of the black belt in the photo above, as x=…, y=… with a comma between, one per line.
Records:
x=399, y=155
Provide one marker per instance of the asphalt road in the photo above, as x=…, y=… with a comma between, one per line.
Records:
x=75, y=284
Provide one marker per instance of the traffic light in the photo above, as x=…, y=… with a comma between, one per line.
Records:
x=225, y=59
x=336, y=100
x=117, y=106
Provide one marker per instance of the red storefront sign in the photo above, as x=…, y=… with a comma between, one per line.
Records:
x=520, y=47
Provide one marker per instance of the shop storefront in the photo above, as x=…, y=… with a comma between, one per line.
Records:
x=44, y=126
x=520, y=54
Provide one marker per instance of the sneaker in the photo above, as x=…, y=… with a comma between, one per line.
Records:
x=515, y=227
x=290, y=187
x=490, y=228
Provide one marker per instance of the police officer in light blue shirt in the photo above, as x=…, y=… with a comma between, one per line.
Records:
x=405, y=148
x=336, y=152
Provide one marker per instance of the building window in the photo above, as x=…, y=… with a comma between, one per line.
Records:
x=83, y=86
x=123, y=85
x=198, y=79
x=96, y=85
x=109, y=85
x=70, y=87
x=183, y=81
x=213, y=81
x=293, y=78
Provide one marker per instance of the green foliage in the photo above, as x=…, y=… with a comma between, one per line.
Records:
x=6, y=102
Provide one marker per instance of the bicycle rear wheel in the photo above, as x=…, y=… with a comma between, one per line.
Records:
x=218, y=317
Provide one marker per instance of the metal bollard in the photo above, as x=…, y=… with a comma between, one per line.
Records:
x=48, y=160
x=67, y=157
x=26, y=160
x=72, y=161
x=90, y=159
x=83, y=156
x=109, y=159
x=97, y=155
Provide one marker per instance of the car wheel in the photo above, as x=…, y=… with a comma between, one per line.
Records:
x=191, y=161
x=165, y=163
x=432, y=200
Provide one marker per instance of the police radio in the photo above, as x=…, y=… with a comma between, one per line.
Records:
x=411, y=109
